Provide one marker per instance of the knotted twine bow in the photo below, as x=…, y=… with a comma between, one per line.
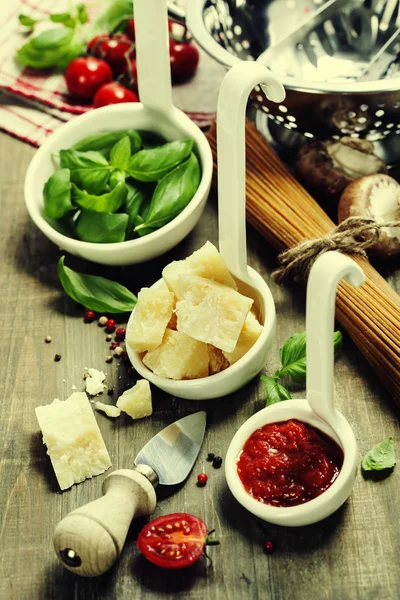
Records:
x=351, y=236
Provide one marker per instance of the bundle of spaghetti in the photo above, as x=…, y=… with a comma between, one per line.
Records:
x=286, y=215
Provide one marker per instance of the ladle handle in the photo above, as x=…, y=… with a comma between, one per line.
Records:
x=234, y=92
x=324, y=278
x=152, y=54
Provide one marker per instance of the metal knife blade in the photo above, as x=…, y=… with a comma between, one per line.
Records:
x=174, y=450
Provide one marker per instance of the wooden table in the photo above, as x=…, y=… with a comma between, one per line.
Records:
x=353, y=554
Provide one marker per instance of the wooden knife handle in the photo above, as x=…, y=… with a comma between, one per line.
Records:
x=90, y=539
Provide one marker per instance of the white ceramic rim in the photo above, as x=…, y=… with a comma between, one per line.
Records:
x=200, y=143
x=287, y=516
x=212, y=380
x=195, y=23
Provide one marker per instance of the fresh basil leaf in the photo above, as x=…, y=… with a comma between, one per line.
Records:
x=274, y=392
x=380, y=457
x=27, y=21
x=120, y=154
x=116, y=13
x=52, y=48
x=153, y=164
x=64, y=18
x=172, y=194
x=101, y=227
x=75, y=48
x=57, y=194
x=116, y=177
x=103, y=142
x=140, y=227
x=89, y=170
x=293, y=356
x=95, y=293
x=106, y=203
x=82, y=14
x=135, y=198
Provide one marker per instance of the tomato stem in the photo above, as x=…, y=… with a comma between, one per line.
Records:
x=209, y=542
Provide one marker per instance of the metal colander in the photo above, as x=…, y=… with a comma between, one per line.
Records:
x=338, y=61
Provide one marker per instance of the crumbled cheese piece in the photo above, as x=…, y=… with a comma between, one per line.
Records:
x=178, y=357
x=108, y=409
x=73, y=439
x=94, y=383
x=137, y=402
x=250, y=333
x=211, y=312
x=150, y=319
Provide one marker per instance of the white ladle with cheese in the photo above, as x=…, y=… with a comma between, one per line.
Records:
x=233, y=96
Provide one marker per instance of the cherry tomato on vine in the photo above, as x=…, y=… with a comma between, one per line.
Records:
x=184, y=58
x=84, y=76
x=113, y=93
x=174, y=541
x=116, y=50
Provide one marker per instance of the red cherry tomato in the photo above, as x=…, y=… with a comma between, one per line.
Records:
x=84, y=76
x=184, y=58
x=116, y=50
x=113, y=93
x=173, y=541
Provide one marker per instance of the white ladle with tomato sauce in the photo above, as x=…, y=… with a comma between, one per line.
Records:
x=318, y=410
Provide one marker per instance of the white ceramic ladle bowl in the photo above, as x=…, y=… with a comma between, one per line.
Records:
x=234, y=92
x=155, y=113
x=318, y=410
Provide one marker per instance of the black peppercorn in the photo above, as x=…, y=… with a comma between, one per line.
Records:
x=217, y=462
x=210, y=456
x=57, y=357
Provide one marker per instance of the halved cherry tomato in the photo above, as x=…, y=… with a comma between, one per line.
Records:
x=113, y=93
x=174, y=541
x=116, y=50
x=184, y=58
x=85, y=75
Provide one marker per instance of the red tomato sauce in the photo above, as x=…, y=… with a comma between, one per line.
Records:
x=288, y=463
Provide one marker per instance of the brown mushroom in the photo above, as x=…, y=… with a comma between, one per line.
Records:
x=376, y=196
x=328, y=166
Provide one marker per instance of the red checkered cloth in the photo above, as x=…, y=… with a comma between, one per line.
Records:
x=33, y=103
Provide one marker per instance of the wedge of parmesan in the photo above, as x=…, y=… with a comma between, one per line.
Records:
x=250, y=333
x=211, y=312
x=73, y=439
x=205, y=262
x=150, y=319
x=137, y=402
x=178, y=357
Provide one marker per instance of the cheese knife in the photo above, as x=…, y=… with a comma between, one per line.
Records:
x=90, y=539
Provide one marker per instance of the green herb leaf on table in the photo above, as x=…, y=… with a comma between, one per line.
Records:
x=380, y=457
x=120, y=154
x=103, y=142
x=274, y=391
x=51, y=48
x=109, y=202
x=64, y=18
x=95, y=293
x=172, y=194
x=101, y=227
x=89, y=170
x=153, y=164
x=57, y=195
x=27, y=21
x=81, y=13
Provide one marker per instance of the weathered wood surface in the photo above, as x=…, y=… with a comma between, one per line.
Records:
x=352, y=555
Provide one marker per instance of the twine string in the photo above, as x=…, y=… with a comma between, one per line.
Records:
x=352, y=236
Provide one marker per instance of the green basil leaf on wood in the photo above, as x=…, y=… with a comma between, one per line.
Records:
x=95, y=293
x=380, y=457
x=153, y=164
x=106, y=203
x=134, y=200
x=101, y=227
x=103, y=142
x=172, y=194
x=89, y=170
x=274, y=391
x=120, y=154
x=57, y=194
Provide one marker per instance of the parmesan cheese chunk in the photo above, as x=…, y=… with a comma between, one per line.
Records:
x=73, y=439
x=94, y=382
x=205, y=262
x=250, y=333
x=136, y=402
x=150, y=318
x=178, y=357
x=108, y=409
x=211, y=312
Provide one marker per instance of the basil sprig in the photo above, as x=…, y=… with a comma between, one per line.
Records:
x=380, y=457
x=293, y=359
x=152, y=164
x=95, y=293
x=89, y=170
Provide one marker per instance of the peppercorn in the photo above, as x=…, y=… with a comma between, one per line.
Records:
x=118, y=351
x=217, y=462
x=210, y=456
x=102, y=321
x=110, y=391
x=114, y=345
x=111, y=325
x=268, y=546
x=109, y=359
x=89, y=316
x=120, y=334
x=202, y=479
x=57, y=357
x=47, y=339
x=108, y=338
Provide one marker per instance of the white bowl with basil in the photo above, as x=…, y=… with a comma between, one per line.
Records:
x=122, y=184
